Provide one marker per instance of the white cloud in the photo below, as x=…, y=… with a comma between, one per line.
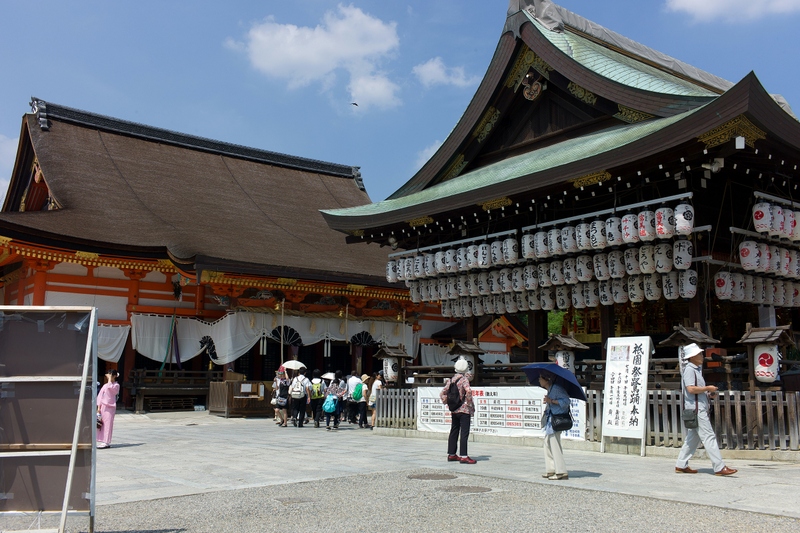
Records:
x=8, y=153
x=434, y=72
x=347, y=39
x=732, y=10
x=426, y=153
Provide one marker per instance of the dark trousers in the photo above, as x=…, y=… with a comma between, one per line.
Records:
x=316, y=409
x=460, y=423
x=335, y=415
x=362, y=414
x=352, y=411
x=299, y=410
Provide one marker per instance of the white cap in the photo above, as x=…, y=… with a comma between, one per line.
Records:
x=462, y=365
x=690, y=350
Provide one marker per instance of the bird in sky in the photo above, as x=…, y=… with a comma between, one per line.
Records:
x=353, y=103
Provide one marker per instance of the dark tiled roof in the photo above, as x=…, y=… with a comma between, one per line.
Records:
x=123, y=189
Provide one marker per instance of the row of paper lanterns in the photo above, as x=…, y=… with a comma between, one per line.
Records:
x=776, y=221
x=769, y=259
x=590, y=294
x=747, y=288
x=647, y=226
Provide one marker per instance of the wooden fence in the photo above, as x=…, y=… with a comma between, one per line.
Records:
x=742, y=420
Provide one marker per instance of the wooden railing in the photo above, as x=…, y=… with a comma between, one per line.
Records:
x=169, y=383
x=764, y=420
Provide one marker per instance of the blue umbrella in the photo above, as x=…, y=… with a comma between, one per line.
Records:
x=564, y=377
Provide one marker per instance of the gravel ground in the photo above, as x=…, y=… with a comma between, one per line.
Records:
x=401, y=501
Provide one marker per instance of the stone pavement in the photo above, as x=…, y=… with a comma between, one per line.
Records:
x=176, y=454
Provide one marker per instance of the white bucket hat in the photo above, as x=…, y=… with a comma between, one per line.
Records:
x=690, y=350
x=461, y=365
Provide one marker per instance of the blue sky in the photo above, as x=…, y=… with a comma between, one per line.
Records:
x=281, y=76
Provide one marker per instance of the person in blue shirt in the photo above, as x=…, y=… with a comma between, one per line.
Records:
x=557, y=402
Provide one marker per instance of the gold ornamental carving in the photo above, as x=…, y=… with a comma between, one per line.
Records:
x=289, y=282
x=86, y=255
x=486, y=124
x=420, y=221
x=357, y=233
x=590, y=179
x=526, y=59
x=5, y=241
x=737, y=127
x=582, y=94
x=631, y=116
x=456, y=168
x=496, y=203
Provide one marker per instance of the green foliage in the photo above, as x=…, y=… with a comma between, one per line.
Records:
x=554, y=322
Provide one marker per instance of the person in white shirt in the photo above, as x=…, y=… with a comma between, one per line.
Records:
x=299, y=403
x=352, y=405
x=377, y=385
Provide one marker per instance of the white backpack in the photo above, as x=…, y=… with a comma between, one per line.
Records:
x=298, y=390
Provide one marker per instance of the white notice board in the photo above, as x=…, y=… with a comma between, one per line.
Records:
x=502, y=411
x=625, y=391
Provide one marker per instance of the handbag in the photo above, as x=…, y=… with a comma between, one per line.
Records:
x=99, y=421
x=561, y=422
x=274, y=401
x=690, y=417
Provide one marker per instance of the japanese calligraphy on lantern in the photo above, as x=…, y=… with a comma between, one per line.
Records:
x=500, y=411
x=625, y=393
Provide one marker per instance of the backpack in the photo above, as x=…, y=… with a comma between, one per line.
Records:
x=283, y=389
x=454, y=399
x=329, y=406
x=298, y=390
x=358, y=392
x=316, y=391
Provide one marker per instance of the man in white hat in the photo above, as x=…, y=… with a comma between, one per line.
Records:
x=461, y=411
x=695, y=398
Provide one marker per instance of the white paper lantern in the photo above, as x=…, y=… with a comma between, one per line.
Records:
x=778, y=294
x=787, y=267
x=632, y=261
x=788, y=294
x=647, y=225
x=547, y=298
x=748, y=255
x=597, y=234
x=557, y=273
x=424, y=294
x=518, y=279
x=493, y=282
x=521, y=298
x=429, y=265
x=765, y=362
x=391, y=271
x=776, y=228
x=578, y=301
x=774, y=260
x=636, y=288
x=566, y=359
x=563, y=297
x=665, y=223
x=584, y=268
x=544, y=275
x=591, y=294
x=419, y=267
x=795, y=263
x=554, y=242
x=749, y=289
x=789, y=223
x=463, y=259
x=669, y=285
x=652, y=287
x=451, y=260
x=723, y=286
x=569, y=244
x=663, y=257
x=484, y=284
x=684, y=219
x=472, y=256
x=540, y=245
x=510, y=303
x=762, y=217
x=682, y=253
x=582, y=236
x=488, y=304
x=528, y=246
x=619, y=290
x=455, y=308
x=568, y=267
x=605, y=292
x=413, y=291
x=500, y=304
x=438, y=262
x=445, y=309
x=530, y=276
x=759, y=294
x=534, y=302
x=466, y=307
x=614, y=231
x=763, y=258
x=510, y=251
x=484, y=255
x=508, y=281
x=600, y=262
x=795, y=235
x=737, y=287
x=441, y=288
x=630, y=228
x=769, y=294
x=462, y=286
x=647, y=259
x=409, y=269
x=477, y=307
x=497, y=253
x=474, y=284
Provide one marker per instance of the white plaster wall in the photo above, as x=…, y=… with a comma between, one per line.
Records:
x=109, y=273
x=108, y=307
x=71, y=269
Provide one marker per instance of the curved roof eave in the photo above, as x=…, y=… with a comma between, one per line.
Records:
x=746, y=97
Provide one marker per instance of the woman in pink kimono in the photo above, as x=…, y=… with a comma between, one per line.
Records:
x=106, y=409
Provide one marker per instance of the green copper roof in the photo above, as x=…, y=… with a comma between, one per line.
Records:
x=523, y=165
x=618, y=67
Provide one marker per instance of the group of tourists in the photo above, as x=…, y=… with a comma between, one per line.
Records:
x=336, y=398
x=457, y=395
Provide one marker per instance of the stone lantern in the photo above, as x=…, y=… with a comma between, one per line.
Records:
x=563, y=348
x=764, y=347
